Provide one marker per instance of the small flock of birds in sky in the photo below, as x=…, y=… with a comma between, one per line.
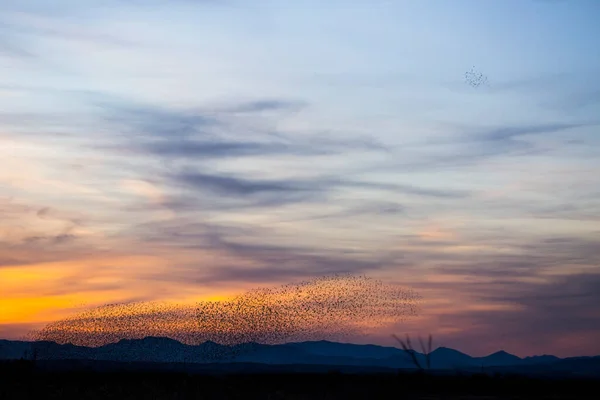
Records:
x=475, y=78
x=329, y=308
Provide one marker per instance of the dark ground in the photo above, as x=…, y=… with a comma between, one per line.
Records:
x=21, y=380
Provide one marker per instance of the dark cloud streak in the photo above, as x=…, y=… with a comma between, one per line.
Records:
x=228, y=185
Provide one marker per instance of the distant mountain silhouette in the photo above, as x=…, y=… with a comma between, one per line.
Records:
x=445, y=358
x=499, y=359
x=323, y=353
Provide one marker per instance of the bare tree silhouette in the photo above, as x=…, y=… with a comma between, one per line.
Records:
x=408, y=349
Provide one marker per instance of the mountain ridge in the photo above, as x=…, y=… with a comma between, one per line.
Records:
x=167, y=350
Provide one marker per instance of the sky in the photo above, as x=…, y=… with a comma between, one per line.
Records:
x=190, y=150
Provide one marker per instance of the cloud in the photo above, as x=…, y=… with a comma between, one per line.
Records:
x=13, y=49
x=32, y=234
x=23, y=26
x=482, y=144
x=217, y=131
x=238, y=253
x=511, y=268
x=147, y=121
x=274, y=263
x=579, y=99
x=405, y=189
x=224, y=192
x=227, y=185
x=265, y=105
x=213, y=149
x=230, y=192
x=43, y=212
x=559, y=314
x=522, y=295
x=374, y=208
x=9, y=262
x=503, y=134
x=56, y=239
x=470, y=146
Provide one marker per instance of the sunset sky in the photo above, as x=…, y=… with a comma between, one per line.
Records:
x=189, y=150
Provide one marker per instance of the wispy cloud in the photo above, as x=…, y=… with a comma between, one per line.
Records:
x=11, y=48
x=227, y=185
x=554, y=314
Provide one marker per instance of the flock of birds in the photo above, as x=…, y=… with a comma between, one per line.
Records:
x=324, y=308
x=329, y=307
x=475, y=78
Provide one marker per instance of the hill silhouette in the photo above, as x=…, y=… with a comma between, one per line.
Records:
x=313, y=353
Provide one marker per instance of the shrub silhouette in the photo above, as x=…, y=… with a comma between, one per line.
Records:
x=408, y=349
